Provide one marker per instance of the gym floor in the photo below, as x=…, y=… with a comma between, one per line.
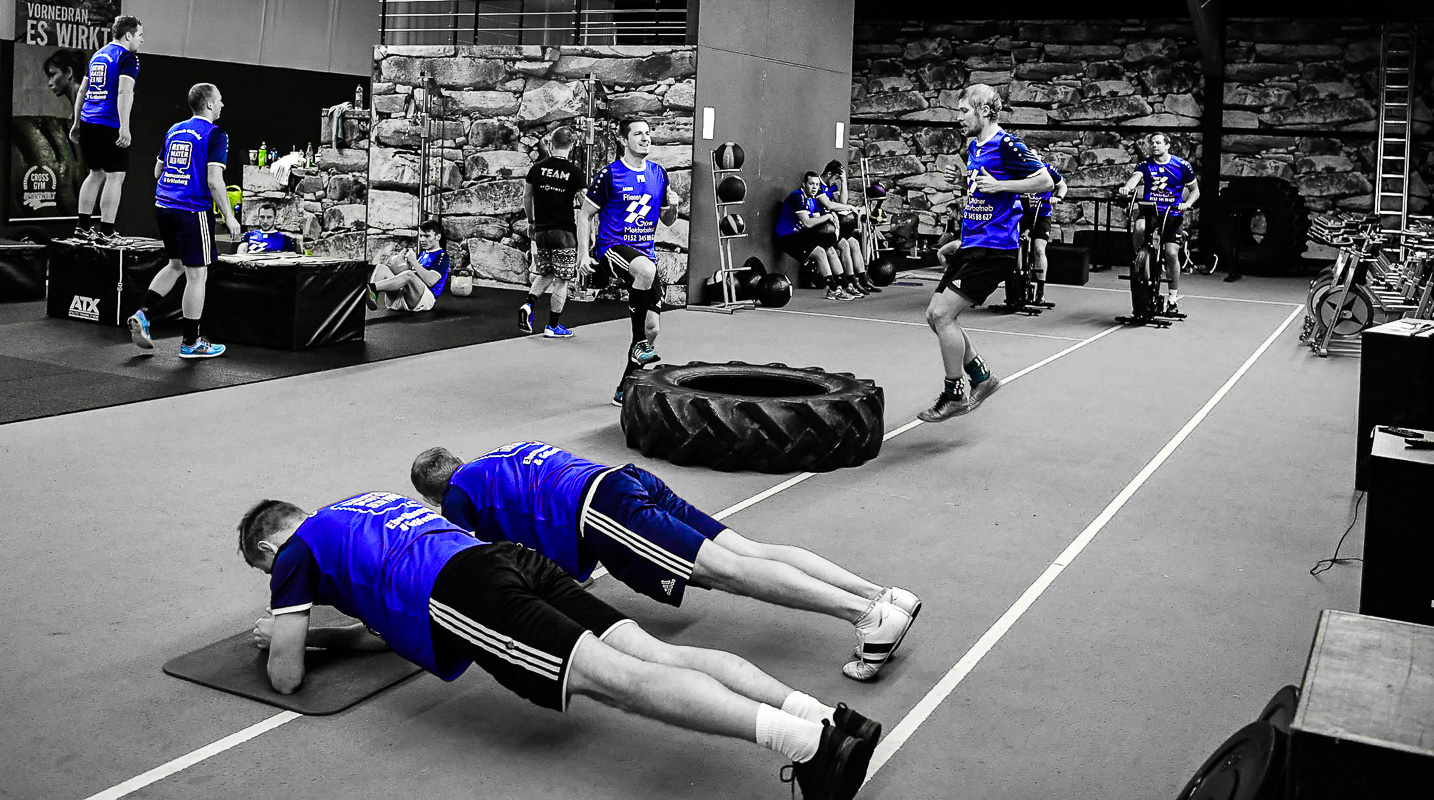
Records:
x=1114, y=554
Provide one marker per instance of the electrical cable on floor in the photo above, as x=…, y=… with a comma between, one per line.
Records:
x=1325, y=564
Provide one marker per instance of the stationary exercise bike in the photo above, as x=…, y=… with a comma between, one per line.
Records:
x=1146, y=272
x=1021, y=283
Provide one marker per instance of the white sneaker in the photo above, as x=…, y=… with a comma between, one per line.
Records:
x=876, y=646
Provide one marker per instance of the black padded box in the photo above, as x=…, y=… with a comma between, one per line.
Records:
x=286, y=302
x=106, y=284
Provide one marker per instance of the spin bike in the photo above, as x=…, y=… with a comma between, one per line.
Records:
x=1021, y=283
x=1147, y=271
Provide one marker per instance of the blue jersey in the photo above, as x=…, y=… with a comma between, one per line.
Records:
x=189, y=148
x=436, y=260
x=529, y=493
x=374, y=556
x=993, y=220
x=832, y=191
x=1045, y=197
x=1165, y=183
x=787, y=221
x=631, y=205
x=271, y=242
x=101, y=105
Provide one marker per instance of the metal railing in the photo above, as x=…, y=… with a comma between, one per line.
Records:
x=545, y=22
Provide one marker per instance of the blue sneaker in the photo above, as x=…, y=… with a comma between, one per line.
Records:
x=139, y=331
x=202, y=348
x=643, y=354
x=556, y=332
x=617, y=397
x=525, y=318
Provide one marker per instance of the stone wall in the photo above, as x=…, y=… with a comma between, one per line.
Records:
x=1083, y=92
x=498, y=101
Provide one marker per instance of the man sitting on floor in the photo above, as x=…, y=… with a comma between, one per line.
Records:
x=418, y=282
x=578, y=513
x=268, y=238
x=800, y=235
x=443, y=599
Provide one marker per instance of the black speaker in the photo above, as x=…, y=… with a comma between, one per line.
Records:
x=1396, y=387
x=1398, y=539
x=1067, y=264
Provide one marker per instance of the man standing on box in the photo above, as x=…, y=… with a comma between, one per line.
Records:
x=189, y=181
x=101, y=126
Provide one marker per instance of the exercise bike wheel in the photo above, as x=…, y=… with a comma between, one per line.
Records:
x=1348, y=318
x=1142, y=292
x=1318, y=286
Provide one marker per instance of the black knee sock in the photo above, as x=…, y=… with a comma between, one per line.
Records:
x=86, y=221
x=639, y=301
x=531, y=300
x=191, y=330
x=107, y=227
x=151, y=299
x=832, y=282
x=553, y=317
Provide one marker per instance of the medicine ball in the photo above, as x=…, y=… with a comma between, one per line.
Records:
x=825, y=234
x=774, y=291
x=882, y=271
x=748, y=284
x=847, y=225
x=732, y=189
x=755, y=264
x=876, y=191
x=729, y=156
x=732, y=225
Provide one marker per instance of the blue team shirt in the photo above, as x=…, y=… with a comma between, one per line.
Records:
x=631, y=206
x=787, y=221
x=1165, y=183
x=832, y=191
x=993, y=220
x=529, y=493
x=436, y=260
x=1045, y=197
x=272, y=242
x=374, y=556
x=189, y=148
x=102, y=93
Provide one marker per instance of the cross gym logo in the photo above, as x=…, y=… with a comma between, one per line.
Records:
x=85, y=308
x=638, y=208
x=39, y=188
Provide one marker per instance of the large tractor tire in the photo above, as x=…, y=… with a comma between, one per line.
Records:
x=1287, y=223
x=767, y=418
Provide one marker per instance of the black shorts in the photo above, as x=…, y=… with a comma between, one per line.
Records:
x=798, y=245
x=846, y=226
x=187, y=235
x=517, y=615
x=1172, y=225
x=980, y=270
x=616, y=259
x=97, y=145
x=1041, y=229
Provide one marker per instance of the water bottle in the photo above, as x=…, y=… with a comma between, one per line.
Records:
x=263, y=154
x=358, y=97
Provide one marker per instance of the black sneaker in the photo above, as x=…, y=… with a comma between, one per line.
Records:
x=869, y=287
x=854, y=723
x=617, y=397
x=837, y=770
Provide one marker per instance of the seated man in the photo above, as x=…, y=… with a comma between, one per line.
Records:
x=833, y=197
x=578, y=513
x=1041, y=231
x=798, y=236
x=443, y=599
x=418, y=280
x=268, y=238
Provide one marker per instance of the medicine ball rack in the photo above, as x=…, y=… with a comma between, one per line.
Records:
x=729, y=302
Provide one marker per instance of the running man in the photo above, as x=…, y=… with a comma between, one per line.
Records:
x=1041, y=232
x=797, y=236
x=443, y=599
x=101, y=127
x=579, y=513
x=1167, y=179
x=833, y=197
x=550, y=194
x=267, y=238
x=189, y=185
x=999, y=168
x=628, y=197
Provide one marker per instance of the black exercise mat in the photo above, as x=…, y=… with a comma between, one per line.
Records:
x=333, y=679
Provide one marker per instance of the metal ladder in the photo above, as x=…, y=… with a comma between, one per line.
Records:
x=1396, y=79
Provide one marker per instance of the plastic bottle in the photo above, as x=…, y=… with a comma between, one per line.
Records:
x=263, y=154
x=358, y=97
x=309, y=155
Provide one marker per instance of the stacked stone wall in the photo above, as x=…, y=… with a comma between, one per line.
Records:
x=1084, y=93
x=497, y=103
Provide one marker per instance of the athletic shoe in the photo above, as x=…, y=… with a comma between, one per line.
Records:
x=947, y=405
x=525, y=318
x=1170, y=310
x=556, y=332
x=370, y=299
x=139, y=330
x=869, y=287
x=202, y=348
x=984, y=389
x=1042, y=302
x=856, y=724
x=643, y=354
x=876, y=646
x=617, y=397
x=83, y=234
x=904, y=600
x=839, y=294
x=836, y=771
x=855, y=288
x=110, y=239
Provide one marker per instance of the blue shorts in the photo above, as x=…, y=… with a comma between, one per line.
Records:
x=187, y=235
x=645, y=535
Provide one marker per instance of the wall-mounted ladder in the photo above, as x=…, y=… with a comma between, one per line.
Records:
x=1396, y=97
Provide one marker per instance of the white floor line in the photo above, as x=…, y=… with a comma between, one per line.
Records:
x=190, y=759
x=1284, y=303
x=917, y=324
x=943, y=689
x=185, y=761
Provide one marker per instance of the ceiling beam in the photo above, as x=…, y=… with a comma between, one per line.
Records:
x=1209, y=22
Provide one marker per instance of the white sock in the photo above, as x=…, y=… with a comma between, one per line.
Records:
x=808, y=708
x=1174, y=295
x=788, y=734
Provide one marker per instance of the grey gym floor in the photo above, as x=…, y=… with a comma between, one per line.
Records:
x=1167, y=632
